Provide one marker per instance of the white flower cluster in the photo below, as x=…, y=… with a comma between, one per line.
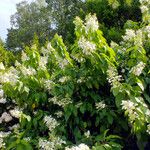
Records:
x=2, y=99
x=27, y=139
x=24, y=57
x=86, y=46
x=16, y=112
x=2, y=66
x=5, y=117
x=27, y=71
x=42, y=62
x=113, y=77
x=64, y=79
x=143, y=109
x=50, y=49
x=143, y=1
x=50, y=122
x=129, y=35
x=48, y=84
x=139, y=38
x=45, y=145
x=91, y=23
x=10, y=76
x=78, y=57
x=133, y=37
x=78, y=23
x=50, y=145
x=145, y=9
x=147, y=31
x=14, y=127
x=81, y=80
x=148, y=129
x=87, y=134
x=144, y=5
x=62, y=63
x=2, y=136
x=100, y=105
x=137, y=70
x=130, y=108
x=79, y=147
x=60, y=101
x=59, y=114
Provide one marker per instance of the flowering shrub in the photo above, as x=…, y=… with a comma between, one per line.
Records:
x=60, y=98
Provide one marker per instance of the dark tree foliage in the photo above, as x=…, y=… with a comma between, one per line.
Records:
x=113, y=15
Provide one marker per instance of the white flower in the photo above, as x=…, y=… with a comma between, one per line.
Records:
x=50, y=48
x=128, y=105
x=14, y=127
x=24, y=57
x=43, y=62
x=143, y=1
x=86, y=46
x=129, y=35
x=2, y=66
x=79, y=147
x=100, y=105
x=91, y=23
x=1, y=93
x=148, y=112
x=2, y=136
x=45, y=145
x=17, y=64
x=50, y=145
x=27, y=139
x=28, y=71
x=59, y=114
x=78, y=58
x=50, y=122
x=137, y=70
x=16, y=112
x=62, y=63
x=6, y=117
x=64, y=79
x=87, y=134
x=144, y=9
x=11, y=76
x=148, y=129
x=2, y=144
x=130, y=110
x=48, y=84
x=113, y=77
x=60, y=101
x=147, y=31
x=138, y=39
x=3, y=100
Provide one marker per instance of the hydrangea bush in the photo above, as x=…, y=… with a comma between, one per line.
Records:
x=88, y=96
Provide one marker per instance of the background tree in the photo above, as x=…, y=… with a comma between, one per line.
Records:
x=43, y=18
x=113, y=14
x=63, y=13
x=28, y=20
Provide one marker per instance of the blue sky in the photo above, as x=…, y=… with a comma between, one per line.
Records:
x=7, y=8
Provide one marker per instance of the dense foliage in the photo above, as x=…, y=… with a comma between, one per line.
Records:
x=45, y=18
x=90, y=95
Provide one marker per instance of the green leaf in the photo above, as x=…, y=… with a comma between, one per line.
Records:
x=110, y=119
x=140, y=84
x=82, y=109
x=98, y=148
x=147, y=97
